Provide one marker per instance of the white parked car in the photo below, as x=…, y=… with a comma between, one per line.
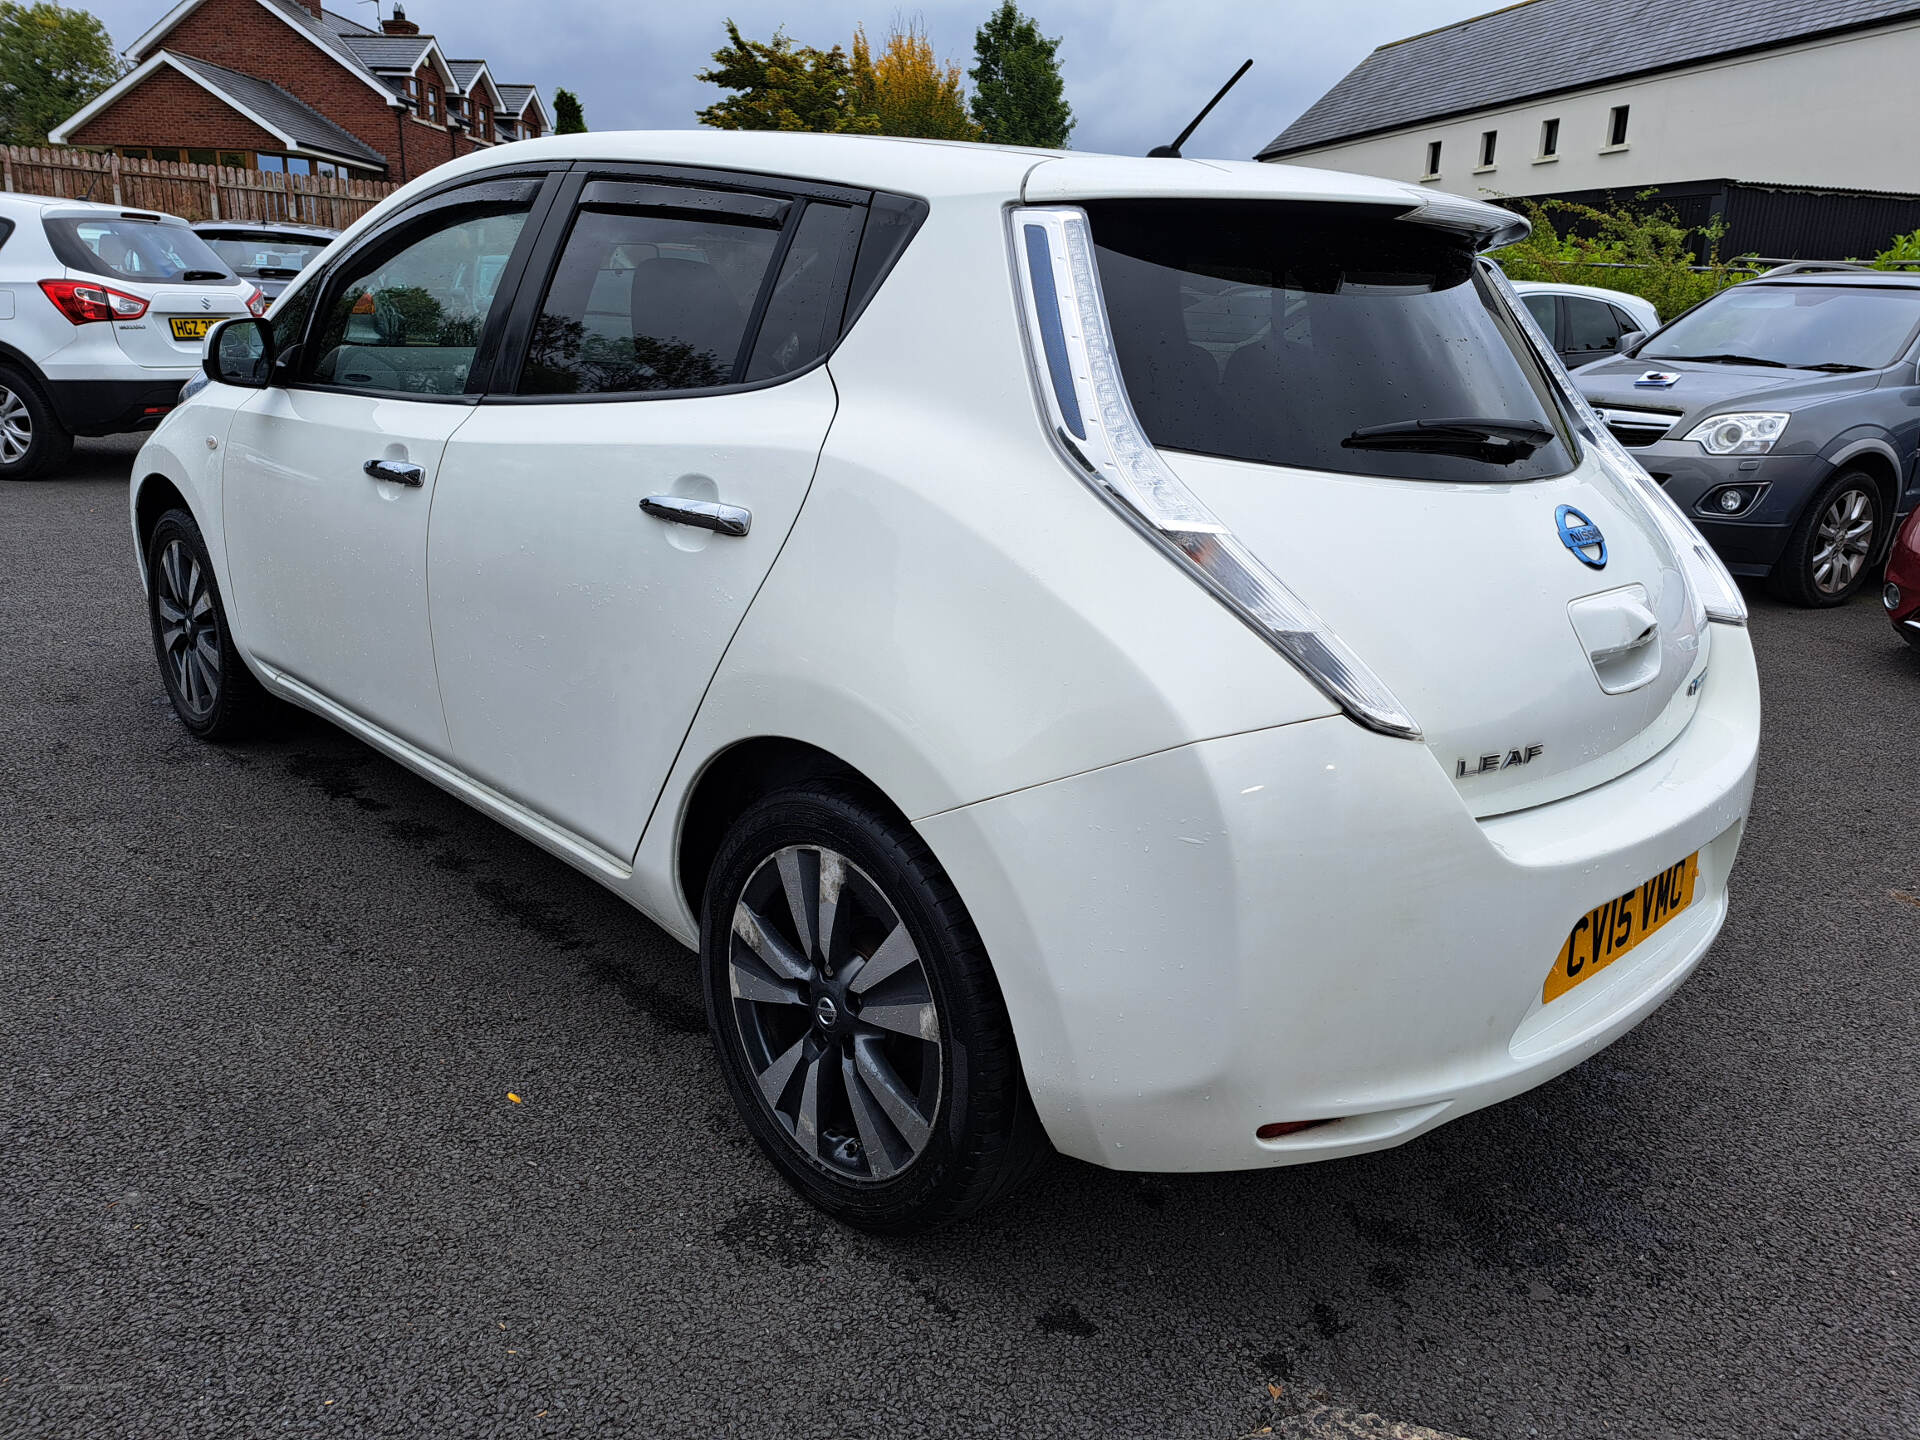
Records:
x=1585, y=322
x=103, y=312
x=1047, y=727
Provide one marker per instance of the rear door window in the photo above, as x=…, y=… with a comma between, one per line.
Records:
x=649, y=299
x=1545, y=310
x=1275, y=332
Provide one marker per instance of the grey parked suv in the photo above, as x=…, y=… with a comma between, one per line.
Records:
x=1783, y=415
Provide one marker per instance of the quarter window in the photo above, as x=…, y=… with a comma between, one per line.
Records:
x=803, y=312
x=409, y=320
x=649, y=301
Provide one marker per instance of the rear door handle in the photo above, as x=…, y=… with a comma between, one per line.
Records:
x=701, y=514
x=397, y=472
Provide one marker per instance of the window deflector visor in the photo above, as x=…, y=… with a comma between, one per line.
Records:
x=1074, y=358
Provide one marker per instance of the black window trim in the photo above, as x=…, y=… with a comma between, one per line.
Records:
x=517, y=332
x=453, y=195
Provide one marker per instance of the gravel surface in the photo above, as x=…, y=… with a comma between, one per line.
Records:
x=261, y=1009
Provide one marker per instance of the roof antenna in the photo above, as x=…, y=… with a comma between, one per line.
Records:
x=1172, y=152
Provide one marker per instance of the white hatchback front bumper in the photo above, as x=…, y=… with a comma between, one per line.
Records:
x=1306, y=923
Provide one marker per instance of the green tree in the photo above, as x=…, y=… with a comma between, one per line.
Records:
x=907, y=90
x=568, y=117
x=1018, y=96
x=1644, y=250
x=52, y=61
x=782, y=86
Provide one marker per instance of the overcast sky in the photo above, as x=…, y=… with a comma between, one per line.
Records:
x=1136, y=70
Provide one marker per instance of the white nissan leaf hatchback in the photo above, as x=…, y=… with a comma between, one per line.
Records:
x=1149, y=656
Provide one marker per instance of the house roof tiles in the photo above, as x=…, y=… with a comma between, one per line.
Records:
x=1542, y=47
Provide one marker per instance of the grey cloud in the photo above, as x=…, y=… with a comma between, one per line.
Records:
x=1136, y=70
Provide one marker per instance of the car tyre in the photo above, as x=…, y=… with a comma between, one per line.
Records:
x=857, y=1019
x=213, y=692
x=32, y=439
x=1830, y=552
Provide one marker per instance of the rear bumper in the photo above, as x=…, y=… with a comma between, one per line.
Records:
x=111, y=407
x=1305, y=922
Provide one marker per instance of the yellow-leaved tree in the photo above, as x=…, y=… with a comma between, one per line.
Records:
x=907, y=89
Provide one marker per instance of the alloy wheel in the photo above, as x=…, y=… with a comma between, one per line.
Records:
x=836, y=1014
x=1843, y=540
x=189, y=628
x=16, y=426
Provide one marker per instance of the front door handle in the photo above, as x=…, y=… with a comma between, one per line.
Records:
x=397, y=472
x=701, y=514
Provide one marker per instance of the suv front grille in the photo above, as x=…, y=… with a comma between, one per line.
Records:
x=1636, y=429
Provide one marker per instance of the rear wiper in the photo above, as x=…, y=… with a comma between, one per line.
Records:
x=1723, y=360
x=275, y=272
x=1499, y=441
x=191, y=275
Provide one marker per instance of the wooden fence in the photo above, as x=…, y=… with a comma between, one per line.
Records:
x=194, y=192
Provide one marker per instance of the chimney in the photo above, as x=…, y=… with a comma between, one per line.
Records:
x=397, y=25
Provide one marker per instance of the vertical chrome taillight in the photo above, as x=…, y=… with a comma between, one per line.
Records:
x=1713, y=584
x=1086, y=403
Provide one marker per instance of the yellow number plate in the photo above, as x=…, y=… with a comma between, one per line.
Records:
x=193, y=327
x=1606, y=932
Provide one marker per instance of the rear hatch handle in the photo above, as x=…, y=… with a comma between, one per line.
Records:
x=1619, y=632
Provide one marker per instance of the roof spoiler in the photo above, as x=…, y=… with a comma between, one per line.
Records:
x=1488, y=226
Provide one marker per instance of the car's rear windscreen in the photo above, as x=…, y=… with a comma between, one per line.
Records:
x=124, y=248
x=1274, y=332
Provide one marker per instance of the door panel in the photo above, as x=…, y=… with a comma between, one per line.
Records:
x=575, y=634
x=329, y=483
x=328, y=563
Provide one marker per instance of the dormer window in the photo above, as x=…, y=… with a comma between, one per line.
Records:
x=483, y=121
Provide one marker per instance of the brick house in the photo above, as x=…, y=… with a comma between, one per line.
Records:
x=288, y=85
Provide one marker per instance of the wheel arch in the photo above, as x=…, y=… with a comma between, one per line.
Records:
x=734, y=779
x=1875, y=457
x=154, y=494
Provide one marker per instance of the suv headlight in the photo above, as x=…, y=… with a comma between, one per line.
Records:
x=1748, y=432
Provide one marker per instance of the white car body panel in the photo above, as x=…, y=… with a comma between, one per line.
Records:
x=1212, y=901
x=575, y=634
x=329, y=565
x=1347, y=941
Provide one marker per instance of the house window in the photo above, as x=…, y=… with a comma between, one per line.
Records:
x=484, y=126
x=1549, y=139
x=532, y=127
x=233, y=159
x=133, y=154
x=432, y=103
x=199, y=157
x=1617, y=125
x=1433, y=161
x=1487, y=141
x=159, y=154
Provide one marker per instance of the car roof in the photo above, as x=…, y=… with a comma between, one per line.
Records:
x=1878, y=279
x=937, y=168
x=1568, y=287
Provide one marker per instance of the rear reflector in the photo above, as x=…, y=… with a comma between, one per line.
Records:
x=1288, y=1127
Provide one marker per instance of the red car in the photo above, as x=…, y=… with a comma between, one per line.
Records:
x=1902, y=593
